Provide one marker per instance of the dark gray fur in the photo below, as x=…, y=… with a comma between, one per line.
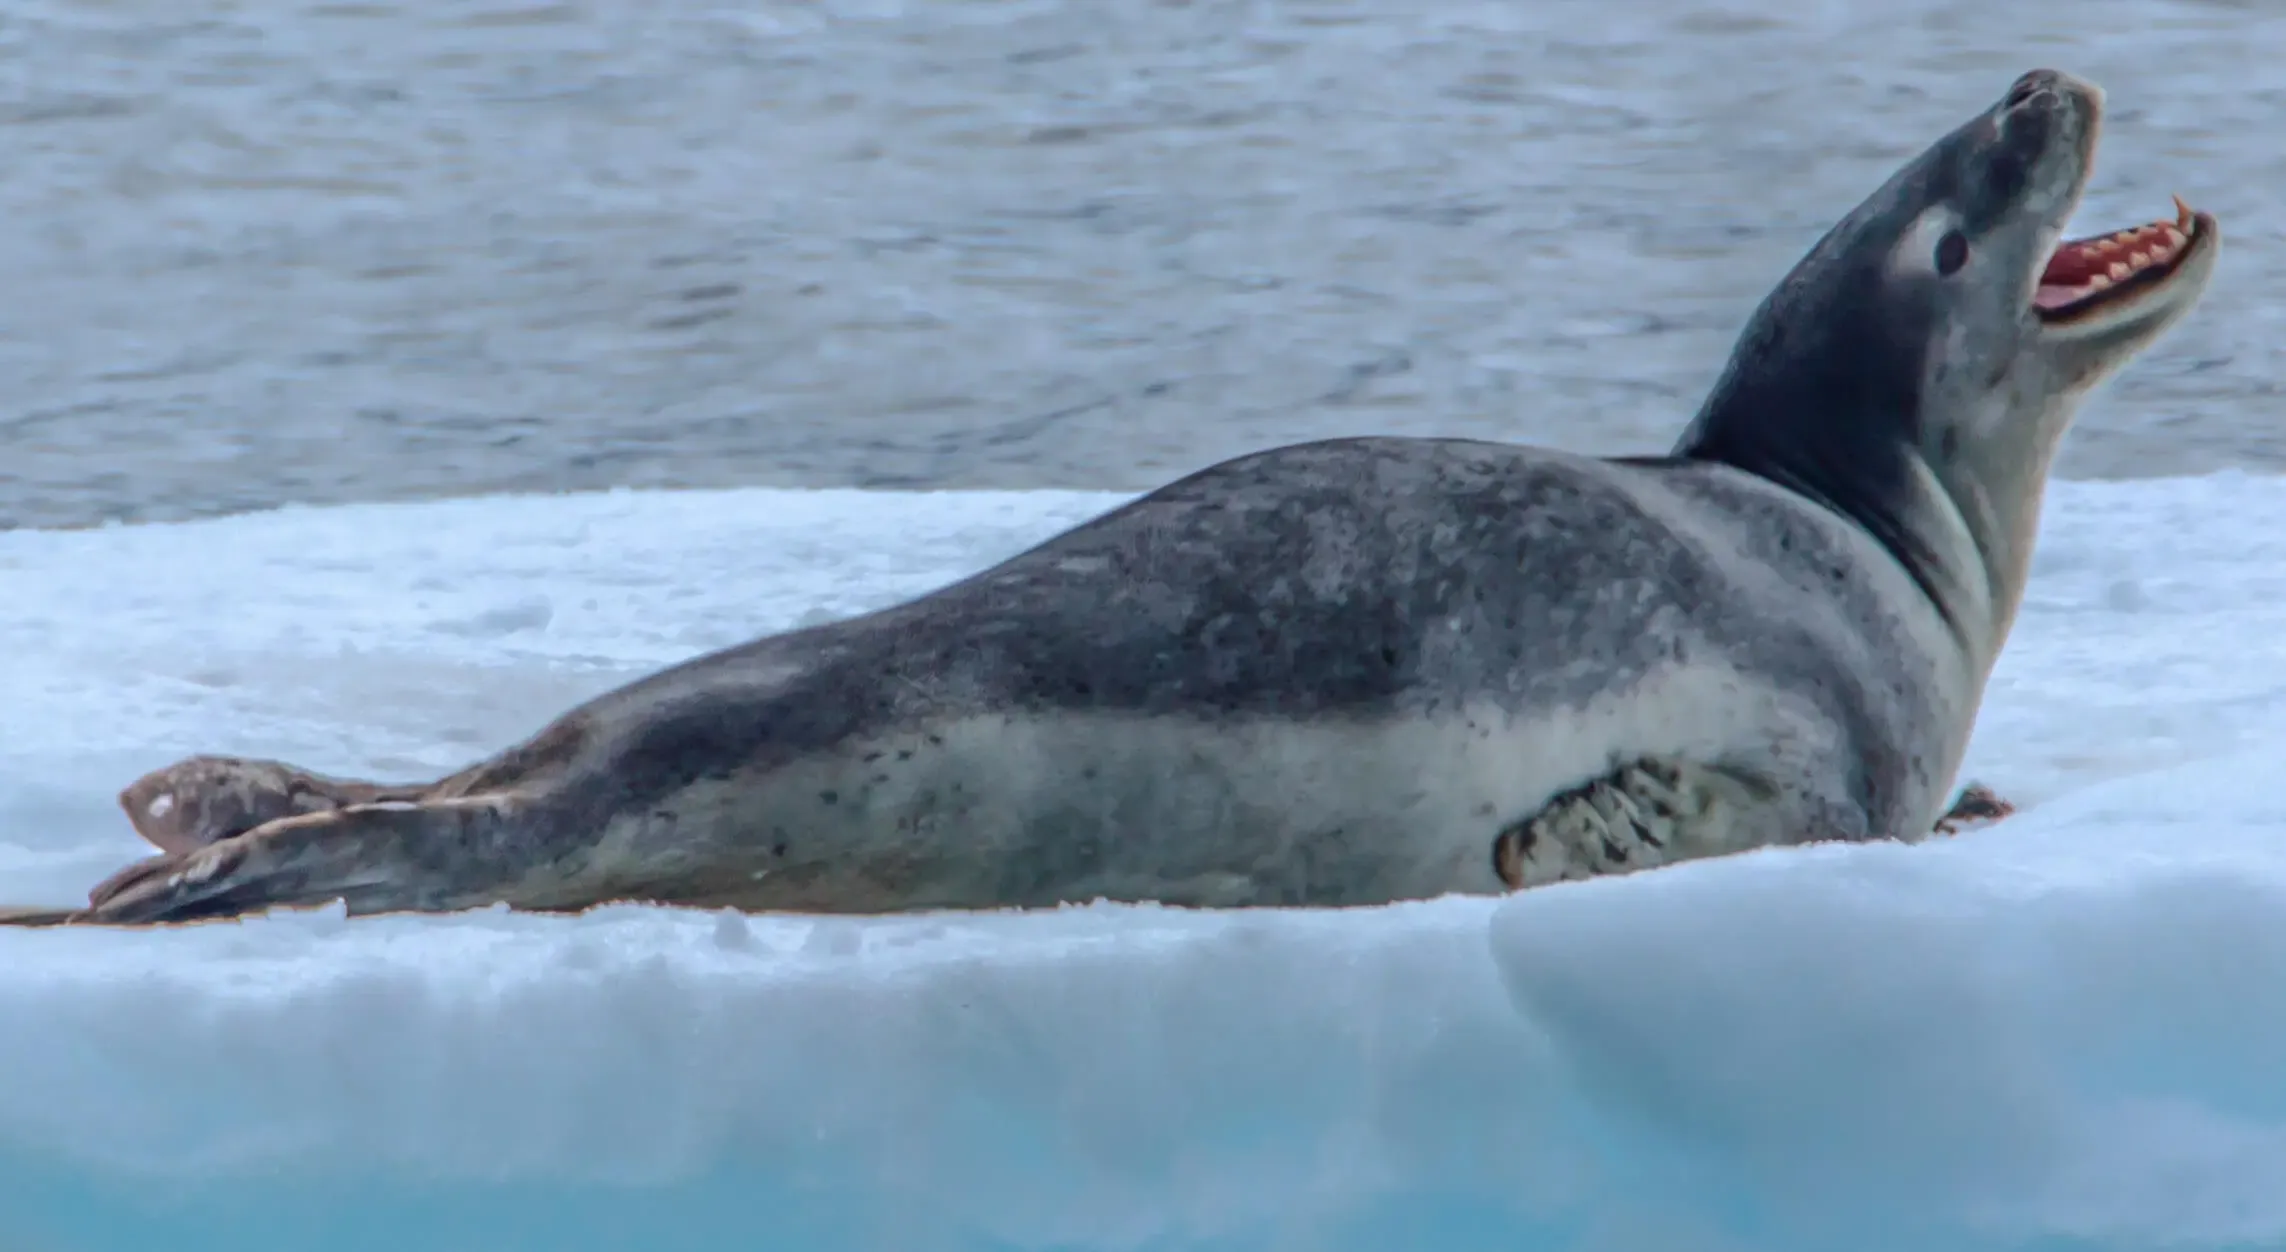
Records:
x=1264, y=683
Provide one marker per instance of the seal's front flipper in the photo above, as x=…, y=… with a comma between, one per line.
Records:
x=1647, y=814
x=389, y=856
x=204, y=799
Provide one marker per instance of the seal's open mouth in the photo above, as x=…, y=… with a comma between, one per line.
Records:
x=2108, y=271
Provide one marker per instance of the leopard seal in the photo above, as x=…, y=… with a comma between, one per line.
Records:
x=1351, y=671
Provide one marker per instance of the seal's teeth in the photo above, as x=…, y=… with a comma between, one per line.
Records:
x=2080, y=270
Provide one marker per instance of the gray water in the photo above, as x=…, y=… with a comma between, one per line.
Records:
x=338, y=251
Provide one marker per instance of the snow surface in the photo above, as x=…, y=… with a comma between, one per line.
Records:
x=2059, y=1032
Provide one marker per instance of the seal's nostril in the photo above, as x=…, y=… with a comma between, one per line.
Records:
x=2029, y=86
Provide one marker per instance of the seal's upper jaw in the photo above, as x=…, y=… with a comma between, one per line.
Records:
x=2103, y=281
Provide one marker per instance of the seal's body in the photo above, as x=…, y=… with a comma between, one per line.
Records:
x=1353, y=671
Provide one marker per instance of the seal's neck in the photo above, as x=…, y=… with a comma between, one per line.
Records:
x=1849, y=442
x=1995, y=493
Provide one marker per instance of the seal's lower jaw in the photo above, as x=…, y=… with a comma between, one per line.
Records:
x=2105, y=281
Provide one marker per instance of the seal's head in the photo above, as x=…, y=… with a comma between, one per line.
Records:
x=1916, y=370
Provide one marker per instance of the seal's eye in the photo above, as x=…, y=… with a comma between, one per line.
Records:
x=1952, y=252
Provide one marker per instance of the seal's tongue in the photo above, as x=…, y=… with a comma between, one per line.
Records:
x=2083, y=268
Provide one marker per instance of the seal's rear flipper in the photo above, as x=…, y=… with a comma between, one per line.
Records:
x=203, y=799
x=382, y=857
x=32, y=915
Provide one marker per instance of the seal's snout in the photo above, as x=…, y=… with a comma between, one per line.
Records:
x=2051, y=91
x=2050, y=121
